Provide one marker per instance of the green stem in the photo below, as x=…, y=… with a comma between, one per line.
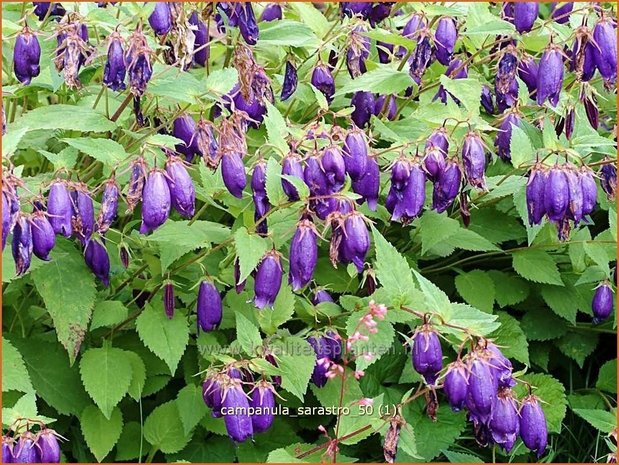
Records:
x=151, y=454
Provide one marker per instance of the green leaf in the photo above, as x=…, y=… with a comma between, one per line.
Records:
x=56, y=382
x=247, y=334
x=286, y=33
x=312, y=16
x=16, y=376
x=563, y=300
x=603, y=421
x=476, y=321
x=537, y=266
x=467, y=239
x=296, y=360
x=598, y=254
x=607, y=377
x=551, y=392
x=166, y=338
x=128, y=445
x=66, y=158
x=68, y=117
x=435, y=298
x=467, y=90
x=101, y=433
x=250, y=248
x=107, y=151
x=106, y=374
x=540, y=324
x=509, y=289
x=220, y=81
x=511, y=338
x=283, y=309
x=275, y=191
x=434, y=228
x=176, y=85
x=384, y=79
x=522, y=150
x=138, y=377
x=25, y=407
x=11, y=140
x=164, y=429
x=392, y=270
x=176, y=238
x=493, y=27
x=108, y=313
x=578, y=346
x=477, y=289
x=277, y=129
x=460, y=457
x=191, y=407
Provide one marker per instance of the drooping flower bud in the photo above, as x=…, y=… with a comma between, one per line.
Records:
x=22, y=244
x=83, y=219
x=259, y=195
x=574, y=209
x=303, y=254
x=504, y=423
x=528, y=71
x=533, y=429
x=447, y=186
x=550, y=75
x=608, y=178
x=7, y=449
x=386, y=105
x=605, y=37
x=504, y=135
x=26, y=56
x=364, y=104
x=156, y=201
x=237, y=420
x=268, y=280
x=43, y=238
x=211, y=394
x=263, y=400
x=438, y=139
x=427, y=353
x=500, y=365
x=456, y=385
x=209, y=308
x=272, y=12
x=357, y=52
x=233, y=173
x=182, y=191
x=556, y=194
x=407, y=196
x=445, y=39
x=247, y=24
x=161, y=18
x=139, y=68
x=434, y=162
x=602, y=304
x=320, y=295
x=97, y=259
x=487, y=100
x=290, y=81
x=561, y=14
x=368, y=185
x=356, y=241
x=414, y=24
x=536, y=206
x=49, y=449
x=26, y=450
x=334, y=167
x=322, y=79
x=481, y=394
x=60, y=208
x=589, y=190
x=168, y=299
x=201, y=40
x=184, y=128
x=41, y=8
x=291, y=166
x=136, y=182
x=525, y=14
x=115, y=68
x=109, y=205
x=355, y=153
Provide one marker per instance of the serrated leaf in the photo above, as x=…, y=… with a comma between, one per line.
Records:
x=128, y=445
x=511, y=338
x=551, y=392
x=435, y=298
x=598, y=254
x=607, y=377
x=275, y=191
x=392, y=270
x=287, y=33
x=521, y=149
x=11, y=140
x=537, y=266
x=101, y=433
x=138, y=376
x=540, y=324
x=434, y=228
x=107, y=151
x=460, y=457
x=509, y=289
x=68, y=289
x=67, y=117
x=578, y=346
x=467, y=239
x=166, y=338
x=221, y=81
x=66, y=158
x=463, y=315
x=276, y=129
x=15, y=375
x=563, y=300
x=247, y=334
x=477, y=289
x=603, y=421
x=108, y=313
x=191, y=407
x=164, y=429
x=25, y=407
x=296, y=360
x=250, y=248
x=106, y=374
x=384, y=80
x=466, y=90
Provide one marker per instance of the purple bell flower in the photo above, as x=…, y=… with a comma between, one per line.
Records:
x=602, y=304
x=43, y=237
x=161, y=18
x=49, y=449
x=320, y=295
x=438, y=139
x=209, y=307
x=26, y=56
x=239, y=423
x=447, y=186
x=434, y=162
x=533, y=429
x=385, y=51
x=368, y=184
x=290, y=81
x=504, y=423
x=574, y=209
x=184, y=128
x=414, y=24
x=445, y=39
x=156, y=201
x=41, y=9
x=201, y=40
x=115, y=67
x=263, y=400
x=525, y=14
x=272, y=12
x=259, y=195
x=456, y=385
x=605, y=37
x=550, y=76
x=139, y=68
x=321, y=349
x=233, y=173
x=97, y=259
x=291, y=166
x=268, y=280
x=109, y=205
x=481, y=394
x=487, y=100
x=26, y=450
x=351, y=9
x=247, y=24
x=583, y=56
x=380, y=11
x=83, y=218
x=364, y=104
x=391, y=110
x=303, y=254
x=556, y=194
x=211, y=394
x=500, y=366
x=334, y=166
x=503, y=138
x=355, y=153
x=7, y=449
x=60, y=208
x=427, y=353
x=561, y=14
x=535, y=194
x=22, y=244
x=182, y=191
x=608, y=179
x=356, y=241
x=528, y=71
x=589, y=190
x=322, y=79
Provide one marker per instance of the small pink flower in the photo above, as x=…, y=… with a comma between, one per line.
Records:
x=366, y=401
x=368, y=356
x=359, y=374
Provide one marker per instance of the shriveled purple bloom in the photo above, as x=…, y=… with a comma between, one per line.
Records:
x=504, y=422
x=184, y=128
x=556, y=194
x=589, y=190
x=136, y=182
x=209, y=309
x=351, y=9
x=357, y=52
x=263, y=401
x=602, y=304
x=206, y=142
x=447, y=186
x=583, y=56
x=322, y=79
x=605, y=37
x=247, y=24
x=525, y=14
x=238, y=284
x=115, y=68
x=487, y=99
x=550, y=75
x=481, y=394
x=60, y=208
x=233, y=173
x=574, y=208
x=364, y=104
x=503, y=139
x=421, y=58
x=168, y=299
x=97, y=259
x=272, y=12
x=528, y=70
x=268, y=280
x=161, y=18
x=238, y=422
x=391, y=110
x=508, y=96
x=201, y=40
x=356, y=241
x=83, y=219
x=445, y=39
x=43, y=237
x=26, y=56
x=49, y=448
x=211, y=394
x=355, y=153
x=6, y=218
x=291, y=166
x=533, y=428
x=570, y=119
x=41, y=9
x=561, y=14
x=182, y=191
x=290, y=81
x=414, y=24
x=505, y=84
x=254, y=107
x=368, y=184
x=7, y=449
x=156, y=201
x=536, y=185
x=22, y=244
x=455, y=385
x=139, y=68
x=109, y=205
x=259, y=195
x=427, y=353
x=303, y=254
x=608, y=179
x=26, y=450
